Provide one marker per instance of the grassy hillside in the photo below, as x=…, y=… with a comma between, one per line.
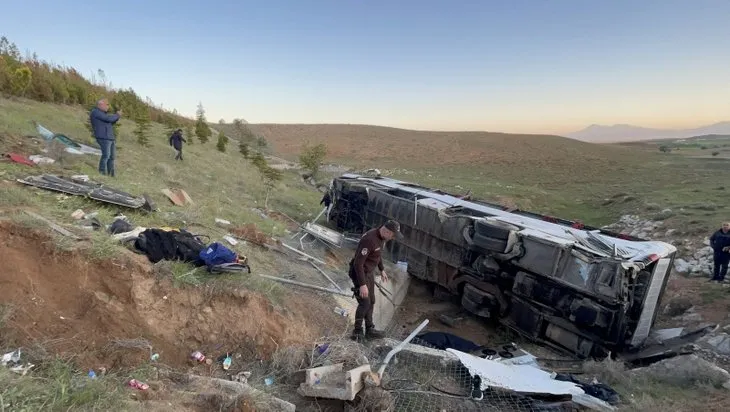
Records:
x=222, y=185
x=550, y=174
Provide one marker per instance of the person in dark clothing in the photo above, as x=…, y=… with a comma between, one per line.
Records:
x=720, y=243
x=102, y=125
x=367, y=257
x=176, y=141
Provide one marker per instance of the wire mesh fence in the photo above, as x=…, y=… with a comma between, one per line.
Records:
x=436, y=381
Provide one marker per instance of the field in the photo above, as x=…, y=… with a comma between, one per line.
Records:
x=550, y=174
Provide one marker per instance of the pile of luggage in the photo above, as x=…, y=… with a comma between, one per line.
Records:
x=178, y=244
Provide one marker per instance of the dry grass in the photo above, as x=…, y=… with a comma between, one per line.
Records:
x=641, y=392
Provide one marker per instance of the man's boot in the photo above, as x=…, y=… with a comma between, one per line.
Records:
x=372, y=333
x=357, y=334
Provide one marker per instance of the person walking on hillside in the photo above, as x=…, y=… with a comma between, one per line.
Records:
x=720, y=243
x=176, y=141
x=102, y=125
x=367, y=257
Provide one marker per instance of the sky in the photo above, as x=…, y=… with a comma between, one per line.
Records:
x=540, y=66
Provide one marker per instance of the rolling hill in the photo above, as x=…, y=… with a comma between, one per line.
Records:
x=628, y=133
x=364, y=145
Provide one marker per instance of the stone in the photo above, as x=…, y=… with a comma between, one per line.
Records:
x=721, y=343
x=685, y=370
x=681, y=266
x=706, y=242
x=678, y=306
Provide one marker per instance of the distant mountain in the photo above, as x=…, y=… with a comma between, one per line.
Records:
x=628, y=133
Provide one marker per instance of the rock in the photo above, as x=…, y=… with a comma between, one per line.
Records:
x=721, y=343
x=681, y=266
x=686, y=370
x=643, y=235
x=664, y=214
x=706, y=242
x=678, y=306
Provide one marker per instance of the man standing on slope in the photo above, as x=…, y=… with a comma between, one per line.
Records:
x=102, y=124
x=367, y=257
x=176, y=141
x=720, y=242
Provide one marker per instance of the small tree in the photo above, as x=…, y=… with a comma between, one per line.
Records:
x=665, y=149
x=269, y=175
x=142, y=130
x=189, y=133
x=261, y=143
x=715, y=153
x=222, y=142
x=243, y=148
x=21, y=80
x=201, y=126
x=312, y=157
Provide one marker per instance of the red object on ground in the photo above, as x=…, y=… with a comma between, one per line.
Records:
x=20, y=159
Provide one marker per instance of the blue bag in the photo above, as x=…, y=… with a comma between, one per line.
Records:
x=217, y=254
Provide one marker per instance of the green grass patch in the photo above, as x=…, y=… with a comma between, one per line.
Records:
x=57, y=386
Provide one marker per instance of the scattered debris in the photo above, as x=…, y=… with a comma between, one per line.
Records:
x=78, y=214
x=230, y=239
x=41, y=160
x=306, y=285
x=326, y=276
x=53, y=226
x=20, y=159
x=197, y=356
x=101, y=193
x=71, y=145
x=134, y=383
x=331, y=382
x=341, y=312
x=11, y=357
x=319, y=232
x=222, y=222
x=178, y=197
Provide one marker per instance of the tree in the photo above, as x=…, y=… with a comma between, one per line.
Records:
x=269, y=175
x=243, y=148
x=715, y=153
x=222, y=121
x=261, y=143
x=201, y=126
x=312, y=157
x=665, y=149
x=20, y=80
x=222, y=142
x=189, y=133
x=142, y=130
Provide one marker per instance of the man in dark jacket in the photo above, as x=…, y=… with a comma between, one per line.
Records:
x=367, y=258
x=176, y=141
x=102, y=125
x=720, y=242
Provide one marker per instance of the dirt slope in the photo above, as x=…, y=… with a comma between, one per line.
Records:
x=68, y=305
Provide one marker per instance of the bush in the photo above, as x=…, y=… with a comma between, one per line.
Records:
x=312, y=157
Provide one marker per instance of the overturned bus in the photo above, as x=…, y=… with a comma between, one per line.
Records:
x=578, y=289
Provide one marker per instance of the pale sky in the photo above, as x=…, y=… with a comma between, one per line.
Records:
x=513, y=65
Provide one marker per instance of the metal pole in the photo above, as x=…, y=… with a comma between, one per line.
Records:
x=304, y=254
x=307, y=285
x=400, y=347
x=327, y=276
